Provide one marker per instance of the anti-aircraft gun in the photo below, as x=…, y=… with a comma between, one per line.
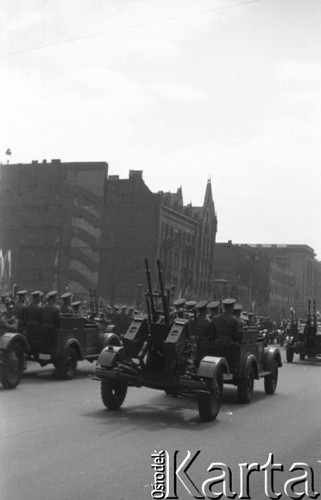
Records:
x=306, y=343
x=158, y=352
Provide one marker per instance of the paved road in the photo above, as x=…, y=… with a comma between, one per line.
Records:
x=59, y=443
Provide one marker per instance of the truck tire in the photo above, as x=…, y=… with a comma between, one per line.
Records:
x=245, y=386
x=289, y=355
x=209, y=404
x=67, y=364
x=11, y=369
x=113, y=393
x=271, y=381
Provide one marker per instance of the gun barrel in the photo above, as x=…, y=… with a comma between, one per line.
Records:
x=150, y=292
x=164, y=297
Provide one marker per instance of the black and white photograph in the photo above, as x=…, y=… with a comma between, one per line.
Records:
x=160, y=249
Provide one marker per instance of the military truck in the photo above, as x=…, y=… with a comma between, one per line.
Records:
x=161, y=354
x=304, y=341
x=77, y=339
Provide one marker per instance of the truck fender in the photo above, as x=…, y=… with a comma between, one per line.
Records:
x=107, y=339
x=251, y=360
x=271, y=353
x=209, y=366
x=8, y=338
x=70, y=342
x=110, y=355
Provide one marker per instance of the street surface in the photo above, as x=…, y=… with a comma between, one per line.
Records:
x=58, y=442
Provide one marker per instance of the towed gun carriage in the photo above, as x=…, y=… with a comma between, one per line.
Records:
x=160, y=352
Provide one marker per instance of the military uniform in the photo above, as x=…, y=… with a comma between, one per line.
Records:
x=50, y=312
x=237, y=313
x=76, y=307
x=213, y=308
x=201, y=326
x=32, y=312
x=226, y=326
x=19, y=309
x=123, y=321
x=66, y=307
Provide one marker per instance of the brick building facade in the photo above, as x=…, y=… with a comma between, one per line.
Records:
x=70, y=226
x=51, y=224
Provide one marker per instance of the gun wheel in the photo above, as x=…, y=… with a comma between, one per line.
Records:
x=270, y=381
x=113, y=393
x=245, y=386
x=209, y=404
x=11, y=369
x=289, y=355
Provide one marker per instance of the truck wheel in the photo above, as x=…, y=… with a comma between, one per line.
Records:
x=302, y=356
x=289, y=355
x=245, y=386
x=12, y=366
x=270, y=381
x=209, y=404
x=67, y=365
x=113, y=393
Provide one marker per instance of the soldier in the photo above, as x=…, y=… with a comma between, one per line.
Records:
x=213, y=308
x=32, y=311
x=131, y=314
x=19, y=309
x=114, y=317
x=226, y=326
x=50, y=312
x=123, y=321
x=201, y=326
x=238, y=314
x=66, y=307
x=178, y=308
x=76, y=307
x=8, y=323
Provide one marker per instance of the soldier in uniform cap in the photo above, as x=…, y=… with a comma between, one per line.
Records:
x=123, y=321
x=66, y=307
x=8, y=322
x=178, y=308
x=50, y=312
x=226, y=325
x=19, y=309
x=237, y=313
x=213, y=308
x=201, y=326
x=32, y=312
x=76, y=307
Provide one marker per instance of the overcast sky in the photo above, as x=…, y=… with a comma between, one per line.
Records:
x=181, y=89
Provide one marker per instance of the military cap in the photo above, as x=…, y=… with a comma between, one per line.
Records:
x=244, y=317
x=123, y=307
x=229, y=302
x=52, y=294
x=190, y=304
x=116, y=307
x=213, y=305
x=201, y=305
x=22, y=292
x=36, y=293
x=66, y=295
x=131, y=308
x=237, y=307
x=179, y=302
x=76, y=303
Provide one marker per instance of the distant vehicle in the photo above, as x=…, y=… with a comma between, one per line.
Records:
x=305, y=340
x=77, y=338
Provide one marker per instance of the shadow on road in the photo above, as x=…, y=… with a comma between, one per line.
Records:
x=163, y=411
